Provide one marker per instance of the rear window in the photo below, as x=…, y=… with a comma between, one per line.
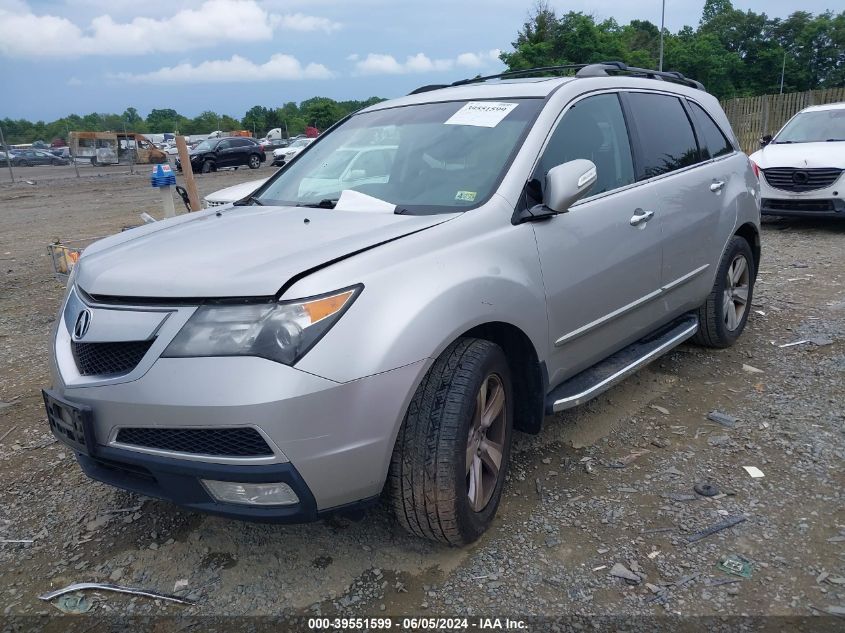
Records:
x=712, y=140
x=665, y=138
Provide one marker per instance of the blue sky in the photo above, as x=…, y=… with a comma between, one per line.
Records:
x=64, y=56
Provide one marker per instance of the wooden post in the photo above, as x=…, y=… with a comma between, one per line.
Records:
x=188, y=173
x=6, y=154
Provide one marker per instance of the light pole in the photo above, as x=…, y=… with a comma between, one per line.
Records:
x=782, y=72
x=662, y=22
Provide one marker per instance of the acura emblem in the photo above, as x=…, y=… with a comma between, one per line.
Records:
x=83, y=322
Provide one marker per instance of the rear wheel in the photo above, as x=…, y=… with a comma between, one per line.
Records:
x=450, y=459
x=207, y=166
x=722, y=318
x=254, y=161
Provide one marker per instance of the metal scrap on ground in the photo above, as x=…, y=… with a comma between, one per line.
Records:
x=716, y=527
x=105, y=586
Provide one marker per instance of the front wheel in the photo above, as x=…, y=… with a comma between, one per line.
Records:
x=207, y=166
x=451, y=456
x=254, y=161
x=723, y=316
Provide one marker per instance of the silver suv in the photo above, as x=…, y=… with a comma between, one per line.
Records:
x=516, y=248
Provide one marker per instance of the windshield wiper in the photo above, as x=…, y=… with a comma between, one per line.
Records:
x=833, y=140
x=251, y=199
x=326, y=203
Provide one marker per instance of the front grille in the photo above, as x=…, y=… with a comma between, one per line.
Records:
x=806, y=206
x=240, y=442
x=792, y=179
x=108, y=359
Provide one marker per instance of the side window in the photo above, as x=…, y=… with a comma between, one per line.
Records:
x=593, y=128
x=224, y=145
x=665, y=138
x=712, y=139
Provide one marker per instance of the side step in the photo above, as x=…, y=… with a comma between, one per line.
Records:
x=600, y=377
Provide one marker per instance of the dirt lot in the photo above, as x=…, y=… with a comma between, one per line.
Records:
x=611, y=482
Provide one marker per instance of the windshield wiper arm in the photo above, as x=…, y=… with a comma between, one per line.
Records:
x=326, y=203
x=251, y=199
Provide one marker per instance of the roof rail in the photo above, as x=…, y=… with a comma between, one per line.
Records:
x=605, y=69
x=600, y=69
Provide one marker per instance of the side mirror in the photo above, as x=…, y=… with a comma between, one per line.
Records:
x=765, y=140
x=568, y=183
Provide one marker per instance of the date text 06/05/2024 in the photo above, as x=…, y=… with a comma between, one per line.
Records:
x=416, y=623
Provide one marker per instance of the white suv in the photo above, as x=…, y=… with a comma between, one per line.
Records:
x=802, y=165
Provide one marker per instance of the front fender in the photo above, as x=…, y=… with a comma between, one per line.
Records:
x=423, y=291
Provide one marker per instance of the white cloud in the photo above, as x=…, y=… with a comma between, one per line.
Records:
x=381, y=64
x=25, y=34
x=236, y=69
x=353, y=57
x=302, y=22
x=74, y=81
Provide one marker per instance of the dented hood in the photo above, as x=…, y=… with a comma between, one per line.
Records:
x=238, y=252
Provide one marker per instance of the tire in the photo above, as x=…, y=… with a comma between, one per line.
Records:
x=429, y=478
x=208, y=166
x=717, y=325
x=254, y=161
x=23, y=163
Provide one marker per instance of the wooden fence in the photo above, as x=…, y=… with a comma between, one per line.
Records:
x=752, y=117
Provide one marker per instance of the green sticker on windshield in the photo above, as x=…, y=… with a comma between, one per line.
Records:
x=466, y=196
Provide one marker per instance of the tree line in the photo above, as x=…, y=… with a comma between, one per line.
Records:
x=320, y=112
x=734, y=53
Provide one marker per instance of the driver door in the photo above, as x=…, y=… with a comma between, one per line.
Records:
x=600, y=272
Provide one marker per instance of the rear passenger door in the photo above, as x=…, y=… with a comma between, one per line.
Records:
x=601, y=272
x=686, y=189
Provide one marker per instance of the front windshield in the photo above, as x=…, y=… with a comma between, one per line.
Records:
x=300, y=142
x=205, y=146
x=427, y=158
x=814, y=127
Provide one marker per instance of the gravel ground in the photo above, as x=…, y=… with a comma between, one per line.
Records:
x=598, y=512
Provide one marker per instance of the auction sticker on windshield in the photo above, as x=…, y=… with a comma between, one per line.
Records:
x=481, y=113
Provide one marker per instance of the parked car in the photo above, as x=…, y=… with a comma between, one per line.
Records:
x=285, y=154
x=231, y=151
x=28, y=157
x=802, y=165
x=535, y=242
x=232, y=194
x=270, y=145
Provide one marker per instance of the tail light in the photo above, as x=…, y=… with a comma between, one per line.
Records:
x=755, y=168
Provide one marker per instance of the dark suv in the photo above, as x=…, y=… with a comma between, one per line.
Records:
x=231, y=151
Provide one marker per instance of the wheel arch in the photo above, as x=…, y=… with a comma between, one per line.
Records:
x=527, y=371
x=750, y=234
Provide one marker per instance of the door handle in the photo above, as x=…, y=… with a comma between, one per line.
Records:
x=641, y=217
x=717, y=185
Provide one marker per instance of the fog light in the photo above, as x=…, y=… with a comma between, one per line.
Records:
x=272, y=494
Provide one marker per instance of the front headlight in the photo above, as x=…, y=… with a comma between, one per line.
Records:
x=282, y=331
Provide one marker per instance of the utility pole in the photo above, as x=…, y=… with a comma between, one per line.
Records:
x=6, y=153
x=132, y=149
x=782, y=72
x=662, y=23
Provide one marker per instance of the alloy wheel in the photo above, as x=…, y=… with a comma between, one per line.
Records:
x=486, y=442
x=737, y=285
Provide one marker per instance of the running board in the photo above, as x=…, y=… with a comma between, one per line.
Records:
x=600, y=377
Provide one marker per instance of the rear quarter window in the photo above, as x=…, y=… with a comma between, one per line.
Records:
x=664, y=138
x=710, y=137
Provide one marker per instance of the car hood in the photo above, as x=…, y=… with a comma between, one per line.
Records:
x=801, y=155
x=235, y=192
x=236, y=252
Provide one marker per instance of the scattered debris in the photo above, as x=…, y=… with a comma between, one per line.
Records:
x=706, y=490
x=620, y=571
x=75, y=604
x=794, y=343
x=679, y=496
x=751, y=369
x=834, y=610
x=539, y=488
x=654, y=554
x=662, y=410
x=755, y=472
x=147, y=218
x=822, y=577
x=821, y=342
x=3, y=437
x=658, y=530
x=105, y=586
x=723, y=418
x=839, y=580
x=660, y=442
x=600, y=567
x=760, y=312
x=736, y=565
x=719, y=441
x=628, y=459
x=180, y=584
x=836, y=539
x=717, y=527
x=16, y=540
